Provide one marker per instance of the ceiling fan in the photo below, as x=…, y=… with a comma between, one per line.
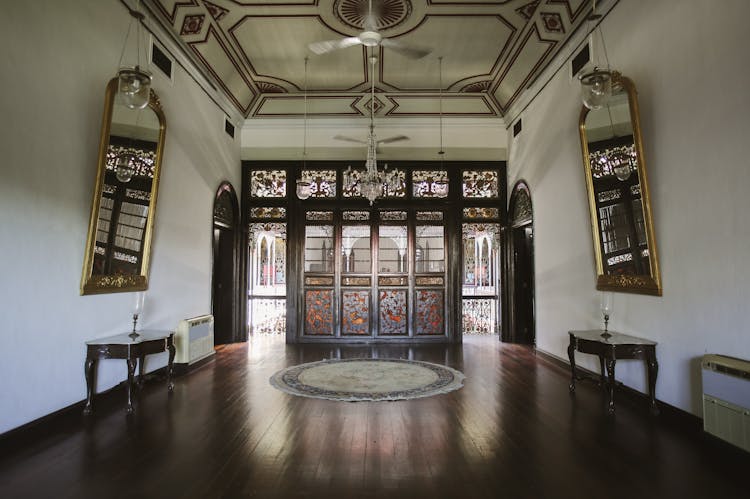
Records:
x=369, y=38
x=371, y=142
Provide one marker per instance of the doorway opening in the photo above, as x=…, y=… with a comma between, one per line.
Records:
x=225, y=287
x=521, y=318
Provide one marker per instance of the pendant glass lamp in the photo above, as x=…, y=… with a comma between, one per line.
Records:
x=125, y=167
x=596, y=85
x=133, y=82
x=596, y=88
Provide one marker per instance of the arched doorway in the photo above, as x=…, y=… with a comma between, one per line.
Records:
x=522, y=326
x=225, y=302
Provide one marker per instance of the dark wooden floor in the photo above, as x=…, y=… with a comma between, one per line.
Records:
x=513, y=431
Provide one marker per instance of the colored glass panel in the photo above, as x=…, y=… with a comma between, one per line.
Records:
x=319, y=312
x=393, y=312
x=355, y=316
x=430, y=312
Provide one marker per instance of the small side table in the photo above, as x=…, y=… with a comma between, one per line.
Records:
x=132, y=350
x=609, y=349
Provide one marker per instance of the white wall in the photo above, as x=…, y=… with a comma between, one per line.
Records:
x=57, y=58
x=688, y=61
x=464, y=139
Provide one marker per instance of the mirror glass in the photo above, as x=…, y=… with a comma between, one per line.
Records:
x=122, y=213
x=623, y=233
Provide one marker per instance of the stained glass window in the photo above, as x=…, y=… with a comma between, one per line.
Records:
x=480, y=184
x=268, y=183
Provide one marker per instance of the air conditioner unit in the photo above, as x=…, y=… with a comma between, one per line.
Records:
x=726, y=399
x=194, y=339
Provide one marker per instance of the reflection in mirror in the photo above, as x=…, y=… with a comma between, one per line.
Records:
x=124, y=201
x=623, y=232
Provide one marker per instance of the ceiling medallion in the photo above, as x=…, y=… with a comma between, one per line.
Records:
x=388, y=13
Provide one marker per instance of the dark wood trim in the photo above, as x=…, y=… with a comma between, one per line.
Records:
x=182, y=369
x=238, y=300
x=509, y=324
x=673, y=415
x=69, y=418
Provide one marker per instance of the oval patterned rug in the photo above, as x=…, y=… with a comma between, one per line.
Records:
x=354, y=380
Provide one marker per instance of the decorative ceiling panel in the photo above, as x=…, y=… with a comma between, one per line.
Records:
x=255, y=50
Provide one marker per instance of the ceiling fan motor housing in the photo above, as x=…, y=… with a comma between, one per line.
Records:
x=370, y=38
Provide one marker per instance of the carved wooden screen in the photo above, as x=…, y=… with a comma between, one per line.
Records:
x=381, y=271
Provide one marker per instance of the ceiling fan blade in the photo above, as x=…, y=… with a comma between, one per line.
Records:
x=349, y=139
x=411, y=51
x=397, y=138
x=331, y=45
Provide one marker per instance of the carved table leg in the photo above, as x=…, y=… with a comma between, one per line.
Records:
x=170, y=368
x=611, y=384
x=89, y=368
x=571, y=356
x=653, y=371
x=601, y=370
x=131, y=372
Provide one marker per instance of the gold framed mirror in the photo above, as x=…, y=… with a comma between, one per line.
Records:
x=124, y=202
x=619, y=202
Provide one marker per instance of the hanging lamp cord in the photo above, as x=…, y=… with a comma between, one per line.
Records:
x=134, y=14
x=440, y=83
x=304, y=134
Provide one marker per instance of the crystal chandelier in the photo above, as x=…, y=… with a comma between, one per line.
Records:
x=373, y=183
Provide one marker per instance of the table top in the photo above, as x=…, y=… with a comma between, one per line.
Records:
x=615, y=339
x=125, y=339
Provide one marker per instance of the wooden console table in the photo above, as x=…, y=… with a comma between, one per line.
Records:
x=132, y=350
x=616, y=346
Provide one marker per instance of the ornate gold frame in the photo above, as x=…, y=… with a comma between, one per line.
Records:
x=643, y=284
x=97, y=284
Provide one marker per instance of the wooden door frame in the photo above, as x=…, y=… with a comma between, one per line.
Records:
x=518, y=217
x=233, y=224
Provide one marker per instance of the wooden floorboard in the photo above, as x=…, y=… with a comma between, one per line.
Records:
x=513, y=431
